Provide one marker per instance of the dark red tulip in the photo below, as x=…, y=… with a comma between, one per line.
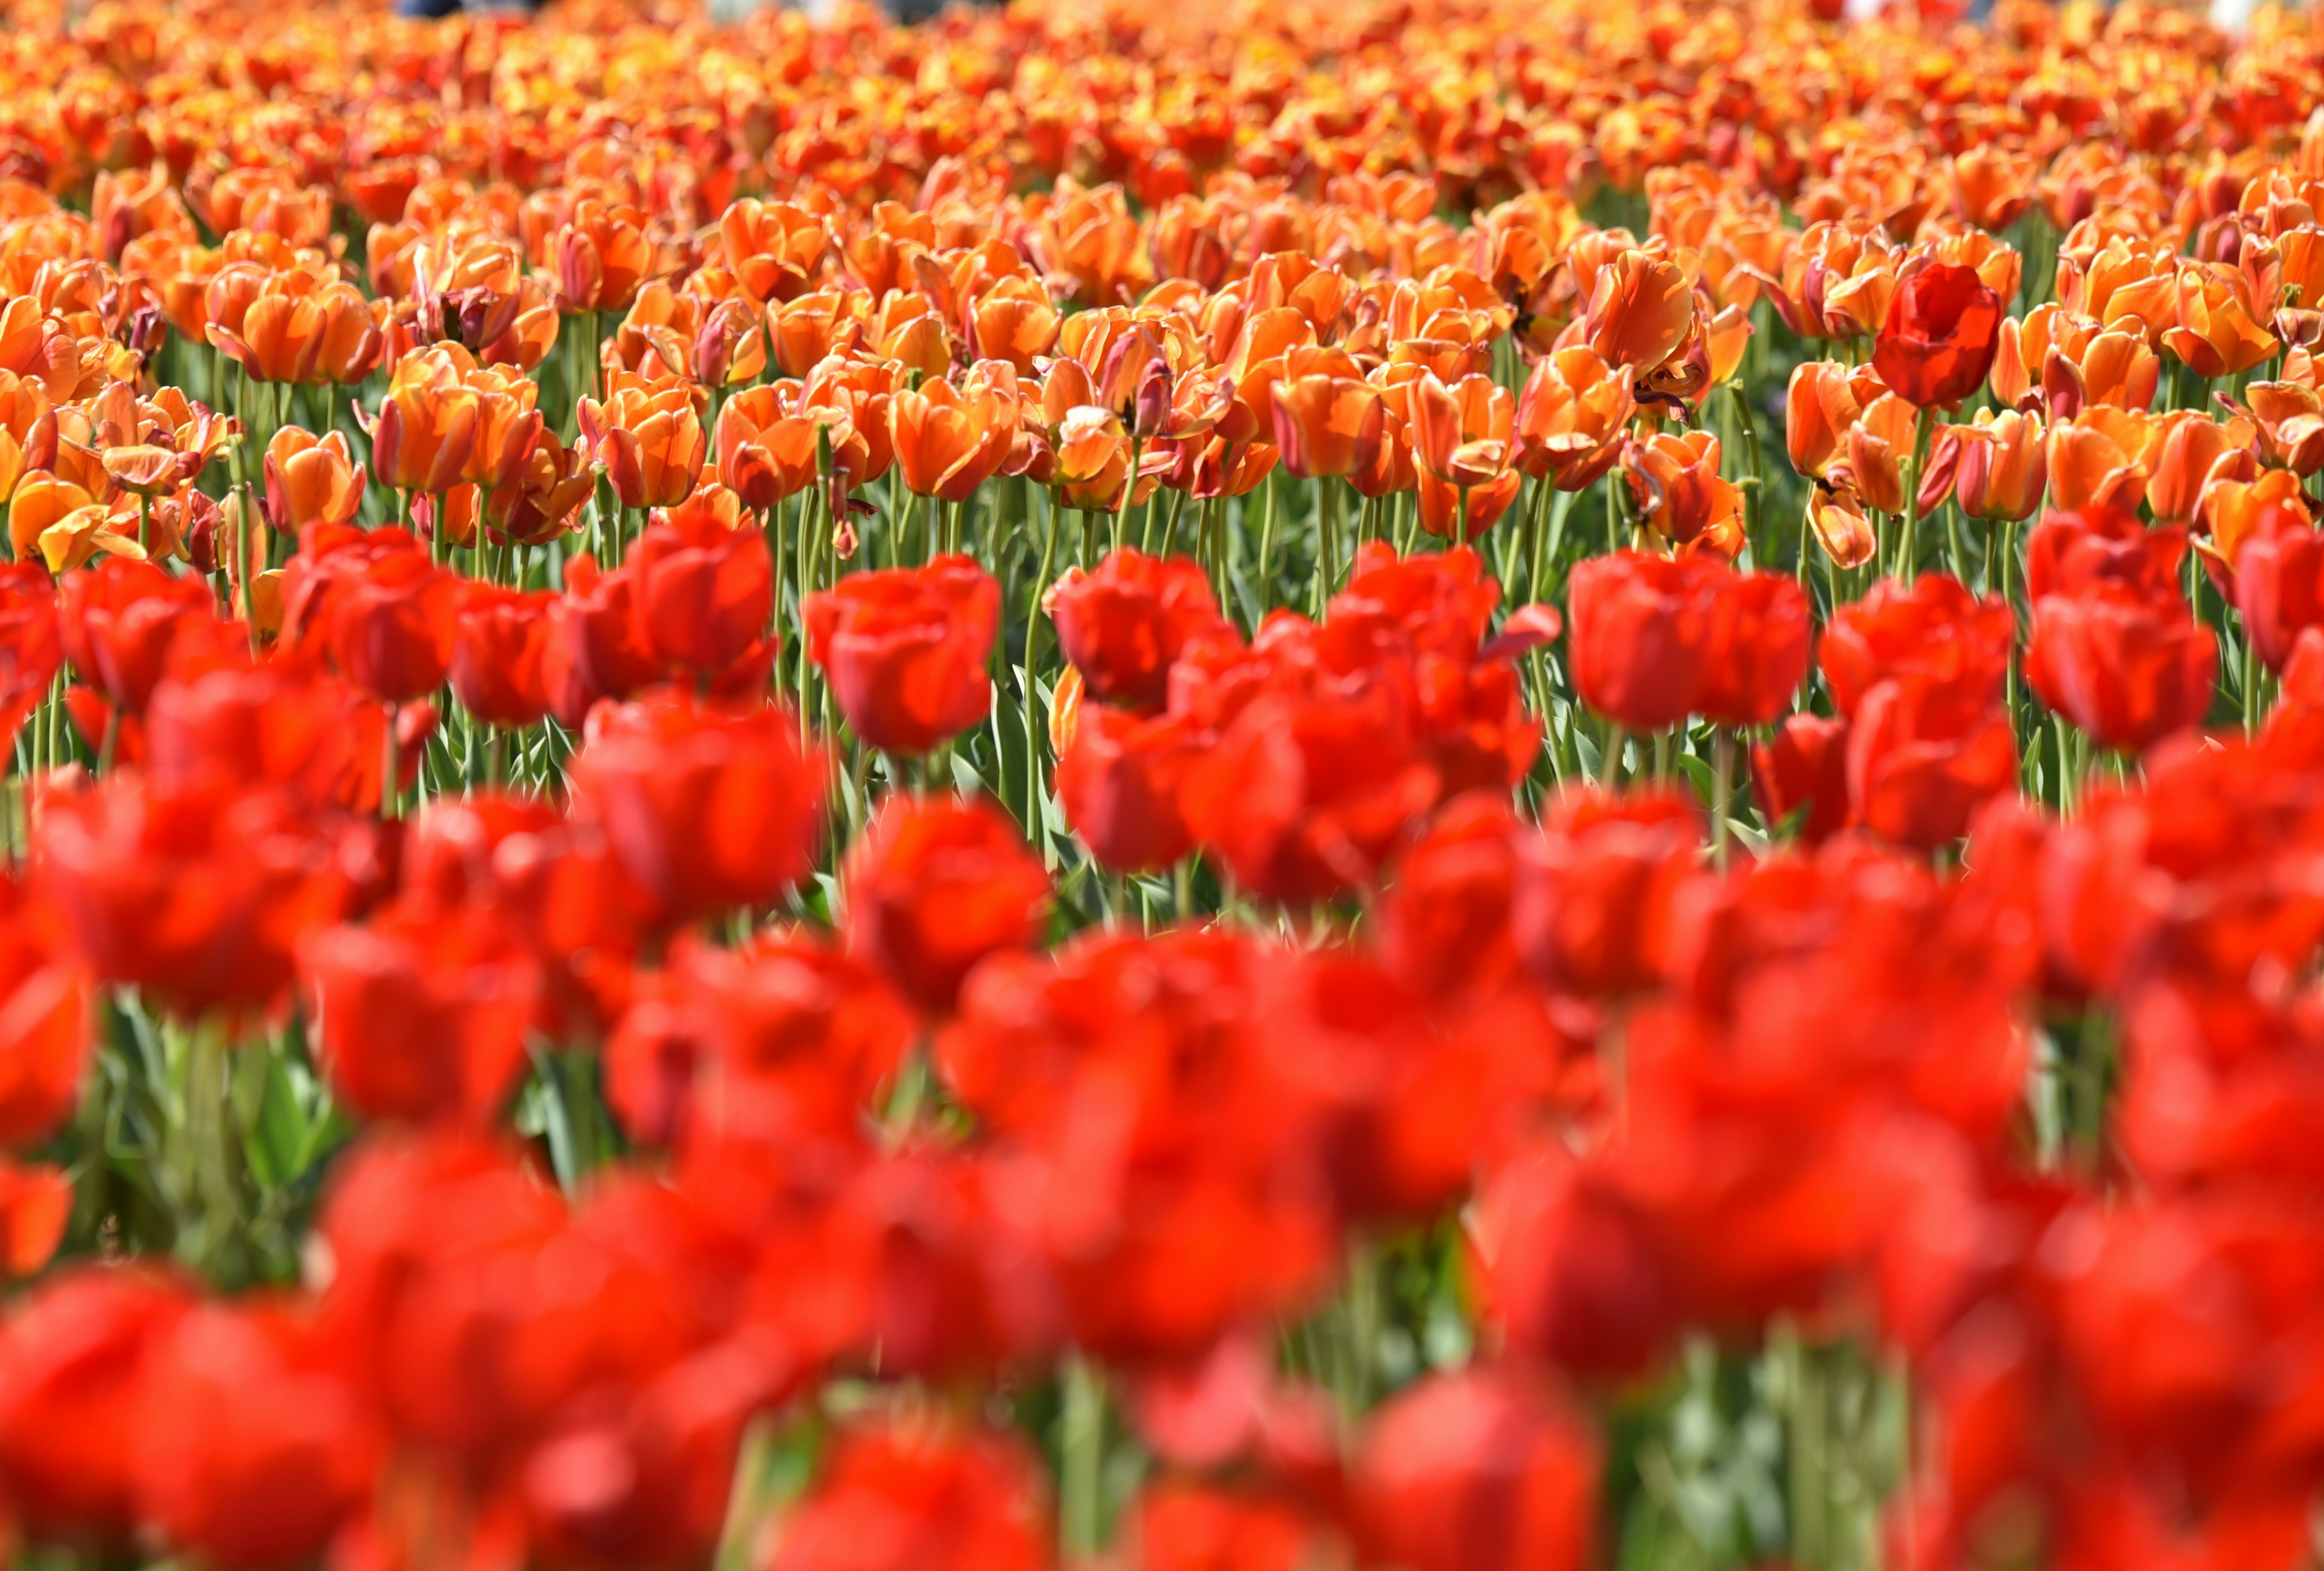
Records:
x=934, y=885
x=705, y=809
x=905, y=651
x=1938, y=341
x=1123, y=624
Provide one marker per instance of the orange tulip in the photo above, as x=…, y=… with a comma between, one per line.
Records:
x=2190, y=451
x=2233, y=512
x=1460, y=434
x=650, y=443
x=426, y=428
x=1842, y=527
x=2089, y=466
x=1820, y=409
x=1014, y=321
x=1879, y=445
x=39, y=501
x=602, y=256
x=2290, y=421
x=28, y=431
x=947, y=442
x=766, y=452
x=2003, y=466
x=1681, y=496
x=774, y=250
x=545, y=499
x=1992, y=185
x=1571, y=418
x=1641, y=311
x=2216, y=334
x=310, y=478
x=808, y=330
x=1326, y=424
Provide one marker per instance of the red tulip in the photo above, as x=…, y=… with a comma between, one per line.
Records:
x=1760, y=638
x=1593, y=890
x=44, y=1020
x=74, y=1362
x=705, y=809
x=1922, y=756
x=2279, y=586
x=905, y=651
x=1638, y=634
x=921, y=1495
x=1932, y=628
x=702, y=592
x=934, y=885
x=1803, y=766
x=592, y=652
x=1572, y=1269
x=1938, y=338
x=497, y=655
x=30, y=650
x=250, y=1449
x=386, y=612
x=116, y=622
x=198, y=895
x=1118, y=779
x=1476, y=1472
x=2125, y=668
x=1123, y=624
x=422, y=1020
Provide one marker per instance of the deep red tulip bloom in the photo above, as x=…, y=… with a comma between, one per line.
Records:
x=252, y=1450
x=1761, y=639
x=73, y=1365
x=1922, y=756
x=44, y=1020
x=420, y=1020
x=30, y=650
x=1119, y=781
x=1939, y=339
x=1303, y=798
x=934, y=885
x=497, y=652
x=1802, y=770
x=1123, y=624
x=2127, y=668
x=905, y=651
x=201, y=895
x=921, y=1495
x=1476, y=1472
x=702, y=592
x=705, y=809
x=1932, y=629
x=1638, y=630
x=117, y=621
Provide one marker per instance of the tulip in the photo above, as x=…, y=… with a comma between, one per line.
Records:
x=602, y=257
x=1327, y=425
x=544, y=499
x=1938, y=337
x=704, y=592
x=2290, y=425
x=2279, y=584
x=497, y=652
x=2216, y=334
x=765, y=454
x=1476, y=1472
x=1680, y=495
x=31, y=650
x=934, y=885
x=2127, y=668
x=1122, y=625
x=116, y=625
x=80, y=1350
x=954, y=1500
x=650, y=444
x=199, y=896
x=2004, y=466
x=1759, y=639
x=1932, y=627
x=310, y=479
x=426, y=428
x=905, y=651
x=1570, y=1266
x=420, y=1021
x=1118, y=778
x=592, y=652
x=706, y=811
x=947, y=442
x=2089, y=467
x=773, y=248
x=1801, y=771
x=1638, y=630
x=1922, y=756
x=1571, y=418
x=388, y=619
x=2193, y=451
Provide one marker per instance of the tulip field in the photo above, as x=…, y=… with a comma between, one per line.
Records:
x=1333, y=785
